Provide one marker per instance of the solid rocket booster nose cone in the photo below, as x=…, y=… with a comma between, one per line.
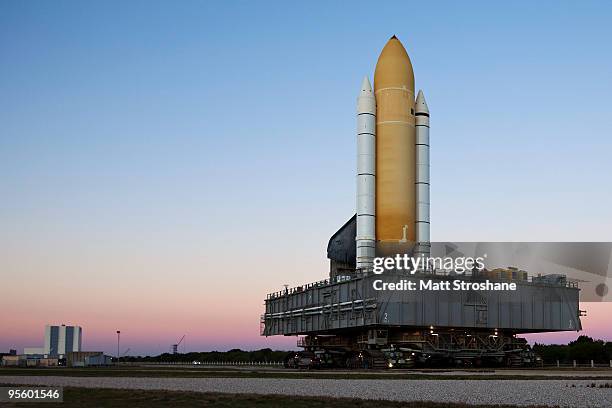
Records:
x=365, y=85
x=366, y=102
x=421, y=104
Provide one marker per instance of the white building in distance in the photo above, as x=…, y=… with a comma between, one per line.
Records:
x=59, y=340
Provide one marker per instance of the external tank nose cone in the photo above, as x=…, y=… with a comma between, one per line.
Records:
x=394, y=68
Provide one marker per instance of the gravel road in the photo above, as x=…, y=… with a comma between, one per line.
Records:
x=518, y=392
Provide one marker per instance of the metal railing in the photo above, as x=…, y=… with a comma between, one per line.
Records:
x=298, y=289
x=538, y=280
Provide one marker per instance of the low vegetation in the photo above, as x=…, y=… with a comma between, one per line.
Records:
x=583, y=349
x=234, y=355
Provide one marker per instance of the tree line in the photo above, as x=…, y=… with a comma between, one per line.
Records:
x=584, y=348
x=263, y=355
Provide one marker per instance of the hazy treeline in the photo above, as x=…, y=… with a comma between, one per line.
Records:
x=263, y=355
x=584, y=348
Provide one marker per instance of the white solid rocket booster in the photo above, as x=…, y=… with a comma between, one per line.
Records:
x=422, y=175
x=366, y=176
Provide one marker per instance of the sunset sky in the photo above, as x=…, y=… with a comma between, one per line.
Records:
x=164, y=165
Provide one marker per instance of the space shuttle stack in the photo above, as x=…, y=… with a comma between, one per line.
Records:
x=392, y=159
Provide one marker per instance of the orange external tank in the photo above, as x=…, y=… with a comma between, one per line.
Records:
x=395, y=145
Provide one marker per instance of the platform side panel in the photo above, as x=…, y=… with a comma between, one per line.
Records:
x=343, y=305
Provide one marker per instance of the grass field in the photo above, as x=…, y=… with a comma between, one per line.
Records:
x=169, y=372
x=90, y=398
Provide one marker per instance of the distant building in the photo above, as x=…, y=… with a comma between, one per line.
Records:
x=13, y=361
x=71, y=359
x=62, y=347
x=29, y=361
x=87, y=359
x=11, y=353
x=62, y=339
x=59, y=340
x=33, y=351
